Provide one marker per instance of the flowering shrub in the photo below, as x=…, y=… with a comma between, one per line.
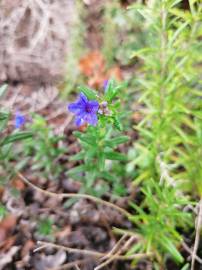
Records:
x=99, y=142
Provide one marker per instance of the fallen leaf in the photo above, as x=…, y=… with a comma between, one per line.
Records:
x=3, y=235
x=7, y=244
x=8, y=223
x=1, y=192
x=18, y=184
x=115, y=73
x=64, y=233
x=28, y=246
x=92, y=63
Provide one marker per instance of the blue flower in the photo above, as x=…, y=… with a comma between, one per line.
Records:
x=85, y=110
x=19, y=120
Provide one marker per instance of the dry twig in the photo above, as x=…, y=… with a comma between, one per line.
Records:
x=74, y=195
x=197, y=238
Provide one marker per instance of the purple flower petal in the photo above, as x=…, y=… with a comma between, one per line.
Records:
x=91, y=119
x=79, y=121
x=83, y=98
x=74, y=107
x=94, y=106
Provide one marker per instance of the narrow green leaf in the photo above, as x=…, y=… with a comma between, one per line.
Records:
x=177, y=33
x=141, y=53
x=16, y=137
x=185, y=15
x=90, y=93
x=134, y=249
x=101, y=161
x=76, y=170
x=87, y=138
x=116, y=141
x=175, y=3
x=107, y=176
x=3, y=116
x=170, y=247
x=113, y=90
x=117, y=123
x=78, y=156
x=111, y=155
x=186, y=267
x=77, y=134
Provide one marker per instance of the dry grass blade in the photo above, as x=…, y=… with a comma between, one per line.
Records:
x=115, y=248
x=189, y=250
x=91, y=252
x=112, y=256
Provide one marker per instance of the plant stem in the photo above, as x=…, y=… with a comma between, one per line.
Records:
x=197, y=237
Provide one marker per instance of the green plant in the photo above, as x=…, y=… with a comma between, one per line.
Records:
x=168, y=90
x=43, y=151
x=158, y=219
x=45, y=226
x=99, y=143
x=7, y=141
